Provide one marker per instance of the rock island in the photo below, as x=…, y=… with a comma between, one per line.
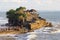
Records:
x=23, y=20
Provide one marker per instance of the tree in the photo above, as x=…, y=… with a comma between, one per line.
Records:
x=22, y=17
x=19, y=17
x=20, y=8
x=10, y=15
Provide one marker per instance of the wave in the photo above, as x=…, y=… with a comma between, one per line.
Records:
x=40, y=34
x=44, y=33
x=3, y=20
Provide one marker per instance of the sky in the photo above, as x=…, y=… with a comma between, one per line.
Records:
x=46, y=5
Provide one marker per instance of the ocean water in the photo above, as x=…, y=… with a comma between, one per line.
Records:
x=45, y=33
x=3, y=18
x=51, y=16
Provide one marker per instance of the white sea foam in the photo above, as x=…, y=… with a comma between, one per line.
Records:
x=32, y=37
x=44, y=33
x=4, y=21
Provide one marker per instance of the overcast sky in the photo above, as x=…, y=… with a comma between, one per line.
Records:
x=50, y=5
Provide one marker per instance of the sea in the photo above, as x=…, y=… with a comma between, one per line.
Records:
x=44, y=33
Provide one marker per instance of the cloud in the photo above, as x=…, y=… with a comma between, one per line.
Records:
x=35, y=4
x=13, y=1
x=48, y=4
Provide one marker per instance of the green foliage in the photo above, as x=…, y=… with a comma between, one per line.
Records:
x=20, y=8
x=13, y=16
x=10, y=13
x=24, y=15
x=19, y=17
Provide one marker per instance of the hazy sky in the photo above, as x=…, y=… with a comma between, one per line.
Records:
x=50, y=5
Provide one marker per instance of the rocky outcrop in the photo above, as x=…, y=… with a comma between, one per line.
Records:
x=38, y=24
x=49, y=24
x=25, y=20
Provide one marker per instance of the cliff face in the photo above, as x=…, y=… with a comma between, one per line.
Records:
x=38, y=24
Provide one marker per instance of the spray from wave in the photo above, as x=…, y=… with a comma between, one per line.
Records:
x=46, y=33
